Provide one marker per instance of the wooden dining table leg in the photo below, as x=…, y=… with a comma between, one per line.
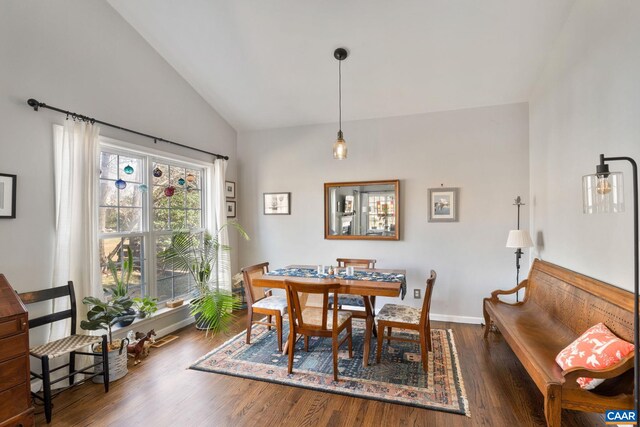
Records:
x=285, y=349
x=369, y=329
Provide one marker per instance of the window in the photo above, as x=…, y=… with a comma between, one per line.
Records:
x=381, y=212
x=143, y=198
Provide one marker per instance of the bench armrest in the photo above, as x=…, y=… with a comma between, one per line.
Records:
x=522, y=285
x=573, y=374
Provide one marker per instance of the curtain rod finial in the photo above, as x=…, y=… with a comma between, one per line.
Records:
x=33, y=103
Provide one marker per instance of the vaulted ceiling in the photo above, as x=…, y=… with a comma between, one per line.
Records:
x=269, y=63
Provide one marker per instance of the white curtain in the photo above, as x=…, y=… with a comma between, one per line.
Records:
x=76, y=156
x=218, y=218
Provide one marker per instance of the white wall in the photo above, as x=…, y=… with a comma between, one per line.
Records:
x=587, y=102
x=83, y=56
x=483, y=151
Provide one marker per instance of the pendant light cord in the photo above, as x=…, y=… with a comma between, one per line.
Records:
x=340, y=95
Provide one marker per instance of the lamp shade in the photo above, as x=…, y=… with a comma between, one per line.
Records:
x=519, y=239
x=603, y=193
x=340, y=148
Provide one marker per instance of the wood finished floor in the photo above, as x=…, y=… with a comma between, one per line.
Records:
x=161, y=391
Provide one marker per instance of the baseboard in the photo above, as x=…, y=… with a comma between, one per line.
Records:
x=455, y=319
x=174, y=327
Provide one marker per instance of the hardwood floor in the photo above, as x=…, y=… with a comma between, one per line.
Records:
x=161, y=391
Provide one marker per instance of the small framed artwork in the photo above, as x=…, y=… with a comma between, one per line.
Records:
x=231, y=209
x=7, y=196
x=277, y=203
x=443, y=205
x=230, y=189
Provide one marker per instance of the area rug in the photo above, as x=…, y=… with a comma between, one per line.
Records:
x=399, y=378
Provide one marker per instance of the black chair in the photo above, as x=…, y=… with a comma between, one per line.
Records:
x=68, y=345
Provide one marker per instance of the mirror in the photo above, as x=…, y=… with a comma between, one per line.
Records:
x=368, y=210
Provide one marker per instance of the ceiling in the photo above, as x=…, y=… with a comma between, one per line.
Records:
x=269, y=63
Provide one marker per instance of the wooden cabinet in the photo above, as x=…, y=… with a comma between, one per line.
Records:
x=15, y=391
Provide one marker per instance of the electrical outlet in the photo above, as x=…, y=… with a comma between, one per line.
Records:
x=416, y=293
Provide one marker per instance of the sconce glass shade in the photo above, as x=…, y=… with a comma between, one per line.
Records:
x=519, y=239
x=340, y=148
x=603, y=193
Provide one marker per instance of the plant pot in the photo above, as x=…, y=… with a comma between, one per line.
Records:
x=117, y=362
x=199, y=325
x=131, y=313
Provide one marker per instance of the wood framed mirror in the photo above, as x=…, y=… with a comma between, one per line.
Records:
x=362, y=210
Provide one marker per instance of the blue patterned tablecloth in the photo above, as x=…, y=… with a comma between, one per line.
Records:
x=373, y=276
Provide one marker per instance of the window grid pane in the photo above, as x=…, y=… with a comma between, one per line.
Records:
x=131, y=217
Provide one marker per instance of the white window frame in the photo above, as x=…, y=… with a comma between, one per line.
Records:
x=148, y=234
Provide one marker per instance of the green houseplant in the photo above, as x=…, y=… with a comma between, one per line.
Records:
x=103, y=315
x=121, y=285
x=198, y=255
x=146, y=306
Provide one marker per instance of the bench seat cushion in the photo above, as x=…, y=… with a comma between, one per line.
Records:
x=535, y=337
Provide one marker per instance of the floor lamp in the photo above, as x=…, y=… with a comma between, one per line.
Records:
x=603, y=192
x=518, y=239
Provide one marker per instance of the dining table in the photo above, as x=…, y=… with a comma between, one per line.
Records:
x=364, y=282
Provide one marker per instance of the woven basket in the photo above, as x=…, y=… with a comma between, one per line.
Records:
x=117, y=363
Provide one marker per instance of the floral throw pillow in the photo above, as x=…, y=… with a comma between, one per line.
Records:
x=597, y=349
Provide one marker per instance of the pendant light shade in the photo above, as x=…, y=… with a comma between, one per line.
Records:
x=340, y=146
x=603, y=192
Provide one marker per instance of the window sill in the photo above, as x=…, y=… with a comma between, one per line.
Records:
x=162, y=312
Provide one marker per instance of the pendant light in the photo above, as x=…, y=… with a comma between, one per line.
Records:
x=340, y=146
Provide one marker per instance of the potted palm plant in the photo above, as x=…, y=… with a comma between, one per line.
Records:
x=198, y=254
x=103, y=315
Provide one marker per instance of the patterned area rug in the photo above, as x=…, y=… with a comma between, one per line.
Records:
x=399, y=377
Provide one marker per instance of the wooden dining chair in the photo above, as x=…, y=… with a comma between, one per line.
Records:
x=315, y=321
x=405, y=317
x=262, y=301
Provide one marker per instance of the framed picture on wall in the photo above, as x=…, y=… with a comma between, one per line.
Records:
x=230, y=189
x=443, y=205
x=231, y=209
x=277, y=203
x=7, y=196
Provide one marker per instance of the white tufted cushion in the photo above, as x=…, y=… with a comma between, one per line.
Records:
x=273, y=303
x=313, y=316
x=399, y=313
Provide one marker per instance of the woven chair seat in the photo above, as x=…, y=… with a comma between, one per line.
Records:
x=313, y=316
x=64, y=345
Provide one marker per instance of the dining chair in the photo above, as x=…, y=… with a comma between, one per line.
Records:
x=355, y=300
x=315, y=321
x=262, y=301
x=70, y=345
x=405, y=317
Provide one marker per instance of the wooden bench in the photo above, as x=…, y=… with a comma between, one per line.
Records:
x=559, y=305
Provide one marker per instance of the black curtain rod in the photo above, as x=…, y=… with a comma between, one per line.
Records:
x=35, y=104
